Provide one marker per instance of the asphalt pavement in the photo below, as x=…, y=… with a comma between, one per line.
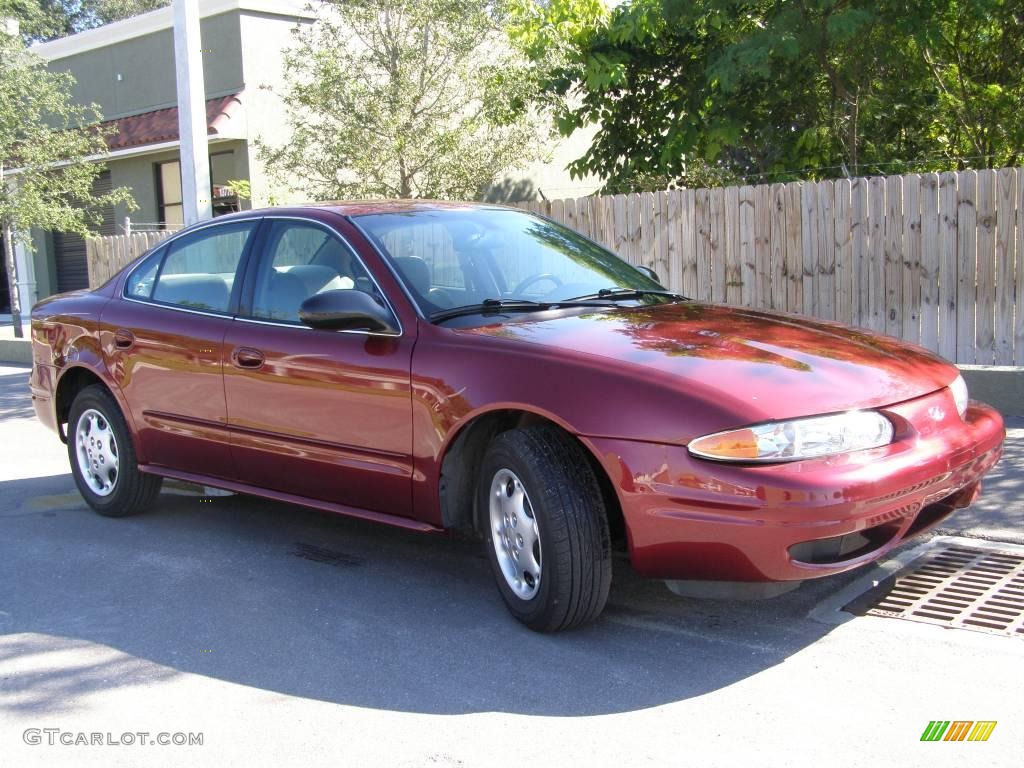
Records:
x=284, y=636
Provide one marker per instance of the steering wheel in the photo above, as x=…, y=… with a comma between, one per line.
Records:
x=527, y=282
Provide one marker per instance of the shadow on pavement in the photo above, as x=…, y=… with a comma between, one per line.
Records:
x=13, y=388
x=305, y=604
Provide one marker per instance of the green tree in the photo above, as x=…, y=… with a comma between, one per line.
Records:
x=973, y=51
x=46, y=180
x=47, y=19
x=685, y=90
x=402, y=98
x=34, y=21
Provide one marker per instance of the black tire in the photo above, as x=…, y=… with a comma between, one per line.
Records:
x=133, y=491
x=567, y=504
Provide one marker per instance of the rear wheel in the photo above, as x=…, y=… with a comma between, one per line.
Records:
x=103, y=459
x=545, y=528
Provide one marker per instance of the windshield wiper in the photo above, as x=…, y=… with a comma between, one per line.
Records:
x=625, y=294
x=510, y=305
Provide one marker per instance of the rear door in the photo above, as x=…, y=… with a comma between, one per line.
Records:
x=320, y=414
x=164, y=340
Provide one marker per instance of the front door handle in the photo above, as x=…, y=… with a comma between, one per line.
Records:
x=124, y=339
x=247, y=357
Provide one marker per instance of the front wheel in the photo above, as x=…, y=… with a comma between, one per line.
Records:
x=103, y=459
x=545, y=528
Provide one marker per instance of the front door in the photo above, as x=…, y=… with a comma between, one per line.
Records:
x=320, y=414
x=164, y=345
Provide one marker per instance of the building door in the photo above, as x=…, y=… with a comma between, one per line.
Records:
x=69, y=248
x=5, y=294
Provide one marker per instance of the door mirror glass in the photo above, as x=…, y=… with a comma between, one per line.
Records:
x=346, y=310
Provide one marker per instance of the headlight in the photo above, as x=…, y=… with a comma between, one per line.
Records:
x=797, y=439
x=959, y=391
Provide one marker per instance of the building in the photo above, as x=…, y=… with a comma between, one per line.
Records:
x=127, y=68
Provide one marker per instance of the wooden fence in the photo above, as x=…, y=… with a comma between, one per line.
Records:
x=105, y=256
x=937, y=259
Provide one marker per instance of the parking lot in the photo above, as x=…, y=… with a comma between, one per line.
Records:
x=291, y=637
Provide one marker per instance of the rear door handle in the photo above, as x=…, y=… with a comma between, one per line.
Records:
x=247, y=357
x=124, y=339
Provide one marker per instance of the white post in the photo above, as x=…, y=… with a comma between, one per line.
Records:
x=9, y=26
x=11, y=266
x=188, y=64
x=27, y=293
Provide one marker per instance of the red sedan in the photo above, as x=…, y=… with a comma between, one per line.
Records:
x=447, y=366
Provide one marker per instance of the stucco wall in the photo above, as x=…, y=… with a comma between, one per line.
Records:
x=266, y=39
x=137, y=75
x=548, y=177
x=139, y=175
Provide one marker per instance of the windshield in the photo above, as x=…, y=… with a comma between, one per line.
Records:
x=466, y=256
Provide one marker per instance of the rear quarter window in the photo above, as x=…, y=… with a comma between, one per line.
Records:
x=143, y=277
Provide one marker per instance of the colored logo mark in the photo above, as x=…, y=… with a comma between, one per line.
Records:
x=958, y=730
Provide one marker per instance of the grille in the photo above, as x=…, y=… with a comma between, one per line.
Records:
x=961, y=587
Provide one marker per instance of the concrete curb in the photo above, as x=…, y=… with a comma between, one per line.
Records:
x=17, y=351
x=1001, y=386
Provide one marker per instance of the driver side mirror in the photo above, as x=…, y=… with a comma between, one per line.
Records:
x=650, y=273
x=345, y=309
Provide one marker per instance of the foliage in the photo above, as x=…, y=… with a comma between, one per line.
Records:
x=47, y=19
x=974, y=52
x=771, y=91
x=402, y=98
x=46, y=139
x=241, y=187
x=33, y=19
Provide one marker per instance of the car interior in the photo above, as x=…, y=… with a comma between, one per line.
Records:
x=306, y=261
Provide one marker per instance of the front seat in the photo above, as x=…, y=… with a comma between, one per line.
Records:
x=416, y=273
x=282, y=297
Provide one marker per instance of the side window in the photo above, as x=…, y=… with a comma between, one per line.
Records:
x=141, y=281
x=199, y=270
x=301, y=260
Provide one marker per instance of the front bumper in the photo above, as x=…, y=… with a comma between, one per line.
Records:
x=42, y=385
x=689, y=518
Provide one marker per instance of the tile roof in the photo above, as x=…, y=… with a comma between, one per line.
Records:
x=161, y=125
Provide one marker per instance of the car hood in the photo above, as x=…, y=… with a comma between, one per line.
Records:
x=756, y=365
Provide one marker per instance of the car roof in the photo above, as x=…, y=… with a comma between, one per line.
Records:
x=349, y=208
x=369, y=207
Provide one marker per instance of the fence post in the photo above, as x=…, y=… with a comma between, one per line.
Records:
x=967, y=264
x=1006, y=181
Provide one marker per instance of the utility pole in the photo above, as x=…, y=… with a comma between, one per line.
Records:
x=9, y=26
x=196, y=197
x=11, y=266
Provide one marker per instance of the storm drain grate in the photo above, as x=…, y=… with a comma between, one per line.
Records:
x=962, y=587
